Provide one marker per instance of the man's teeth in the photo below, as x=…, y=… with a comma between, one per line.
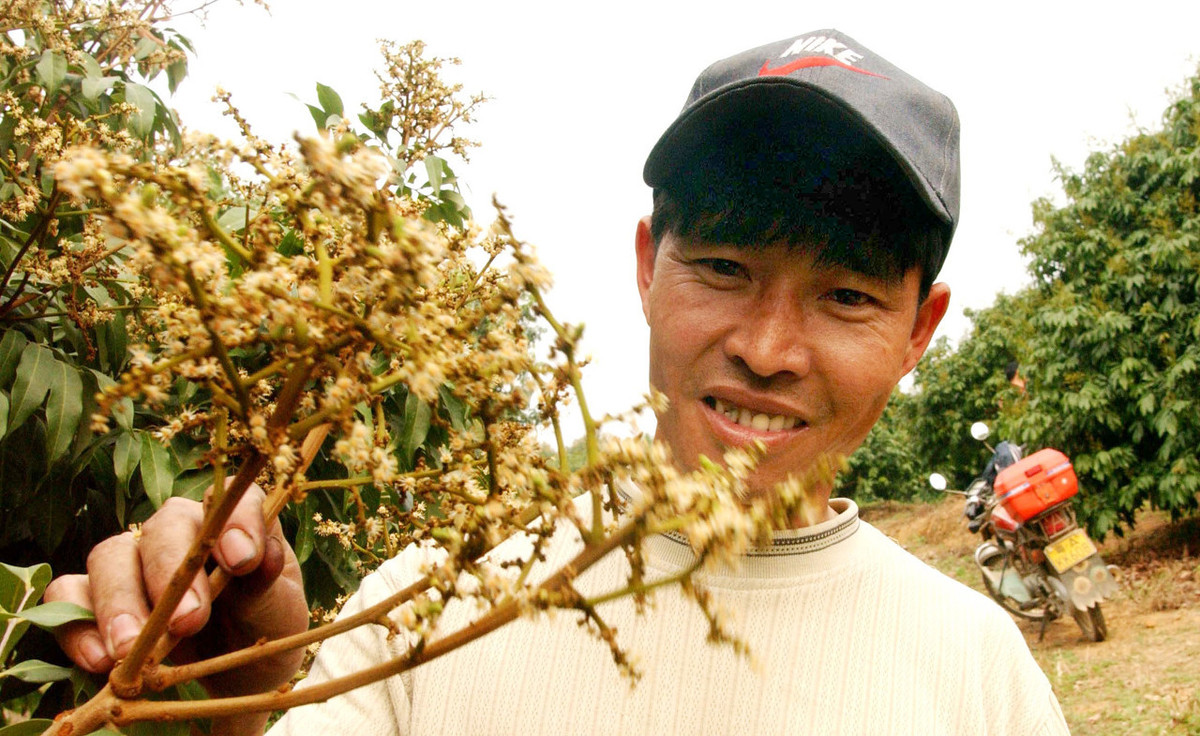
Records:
x=761, y=422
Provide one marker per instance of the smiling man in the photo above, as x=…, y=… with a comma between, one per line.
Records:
x=804, y=201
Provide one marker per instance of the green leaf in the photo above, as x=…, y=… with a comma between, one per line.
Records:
x=234, y=219
x=93, y=87
x=188, y=454
x=165, y=121
x=318, y=116
x=336, y=562
x=455, y=407
x=35, y=670
x=11, y=347
x=434, y=167
x=32, y=727
x=122, y=411
x=91, y=67
x=193, y=484
x=142, y=121
x=158, y=470
x=35, y=373
x=417, y=415
x=19, y=586
x=3, y=415
x=330, y=100
x=305, y=532
x=145, y=46
x=290, y=244
x=127, y=452
x=56, y=613
x=52, y=70
x=64, y=409
x=176, y=71
x=371, y=122
x=13, y=628
x=116, y=341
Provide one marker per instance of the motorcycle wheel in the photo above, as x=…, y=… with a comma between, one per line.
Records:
x=1091, y=622
x=996, y=563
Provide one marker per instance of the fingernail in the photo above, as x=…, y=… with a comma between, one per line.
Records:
x=121, y=632
x=93, y=652
x=237, y=548
x=188, y=604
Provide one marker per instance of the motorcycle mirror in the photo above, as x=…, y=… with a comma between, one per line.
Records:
x=980, y=431
x=938, y=481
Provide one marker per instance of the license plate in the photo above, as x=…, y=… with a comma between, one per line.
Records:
x=1070, y=550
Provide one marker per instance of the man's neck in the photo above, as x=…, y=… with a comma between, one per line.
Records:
x=811, y=514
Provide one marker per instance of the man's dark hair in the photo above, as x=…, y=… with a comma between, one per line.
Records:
x=1011, y=369
x=843, y=199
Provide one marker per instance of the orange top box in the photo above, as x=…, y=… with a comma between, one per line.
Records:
x=1034, y=484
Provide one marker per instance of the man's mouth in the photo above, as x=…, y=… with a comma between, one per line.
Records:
x=759, y=421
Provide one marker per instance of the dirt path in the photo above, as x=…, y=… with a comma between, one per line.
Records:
x=1145, y=678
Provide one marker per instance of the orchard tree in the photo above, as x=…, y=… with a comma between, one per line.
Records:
x=957, y=387
x=886, y=465
x=1115, y=342
x=927, y=429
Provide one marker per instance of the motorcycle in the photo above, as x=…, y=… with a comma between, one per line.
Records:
x=1035, y=560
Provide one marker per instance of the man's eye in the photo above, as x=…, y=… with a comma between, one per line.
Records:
x=722, y=266
x=850, y=297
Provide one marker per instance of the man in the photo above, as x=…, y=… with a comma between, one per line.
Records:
x=803, y=203
x=1012, y=374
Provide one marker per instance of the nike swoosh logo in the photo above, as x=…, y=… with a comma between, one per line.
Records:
x=807, y=62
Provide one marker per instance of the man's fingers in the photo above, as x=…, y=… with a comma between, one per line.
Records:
x=128, y=575
x=268, y=603
x=118, y=596
x=80, y=640
x=240, y=547
x=165, y=541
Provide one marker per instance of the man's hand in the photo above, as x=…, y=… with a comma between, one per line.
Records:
x=126, y=575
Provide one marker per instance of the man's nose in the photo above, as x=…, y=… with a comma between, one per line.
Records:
x=771, y=340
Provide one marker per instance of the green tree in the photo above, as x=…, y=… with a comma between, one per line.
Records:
x=955, y=387
x=73, y=74
x=928, y=428
x=75, y=314
x=886, y=466
x=1114, y=346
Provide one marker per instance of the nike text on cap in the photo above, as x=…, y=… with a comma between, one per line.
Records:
x=806, y=89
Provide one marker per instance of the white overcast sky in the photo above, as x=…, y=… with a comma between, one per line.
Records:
x=581, y=91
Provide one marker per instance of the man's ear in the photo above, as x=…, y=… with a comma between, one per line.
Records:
x=929, y=316
x=646, y=252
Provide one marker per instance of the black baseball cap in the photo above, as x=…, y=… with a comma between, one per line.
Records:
x=826, y=92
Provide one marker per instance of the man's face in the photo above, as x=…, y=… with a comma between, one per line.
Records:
x=764, y=344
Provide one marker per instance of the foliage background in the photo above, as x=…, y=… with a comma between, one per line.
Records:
x=73, y=313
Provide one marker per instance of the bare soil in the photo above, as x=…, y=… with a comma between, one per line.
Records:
x=1145, y=678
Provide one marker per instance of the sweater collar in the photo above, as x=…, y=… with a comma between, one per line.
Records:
x=806, y=540
x=791, y=551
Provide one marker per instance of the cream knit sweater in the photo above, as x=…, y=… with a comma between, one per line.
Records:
x=850, y=635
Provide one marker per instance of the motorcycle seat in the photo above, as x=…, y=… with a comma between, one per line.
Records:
x=1004, y=520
